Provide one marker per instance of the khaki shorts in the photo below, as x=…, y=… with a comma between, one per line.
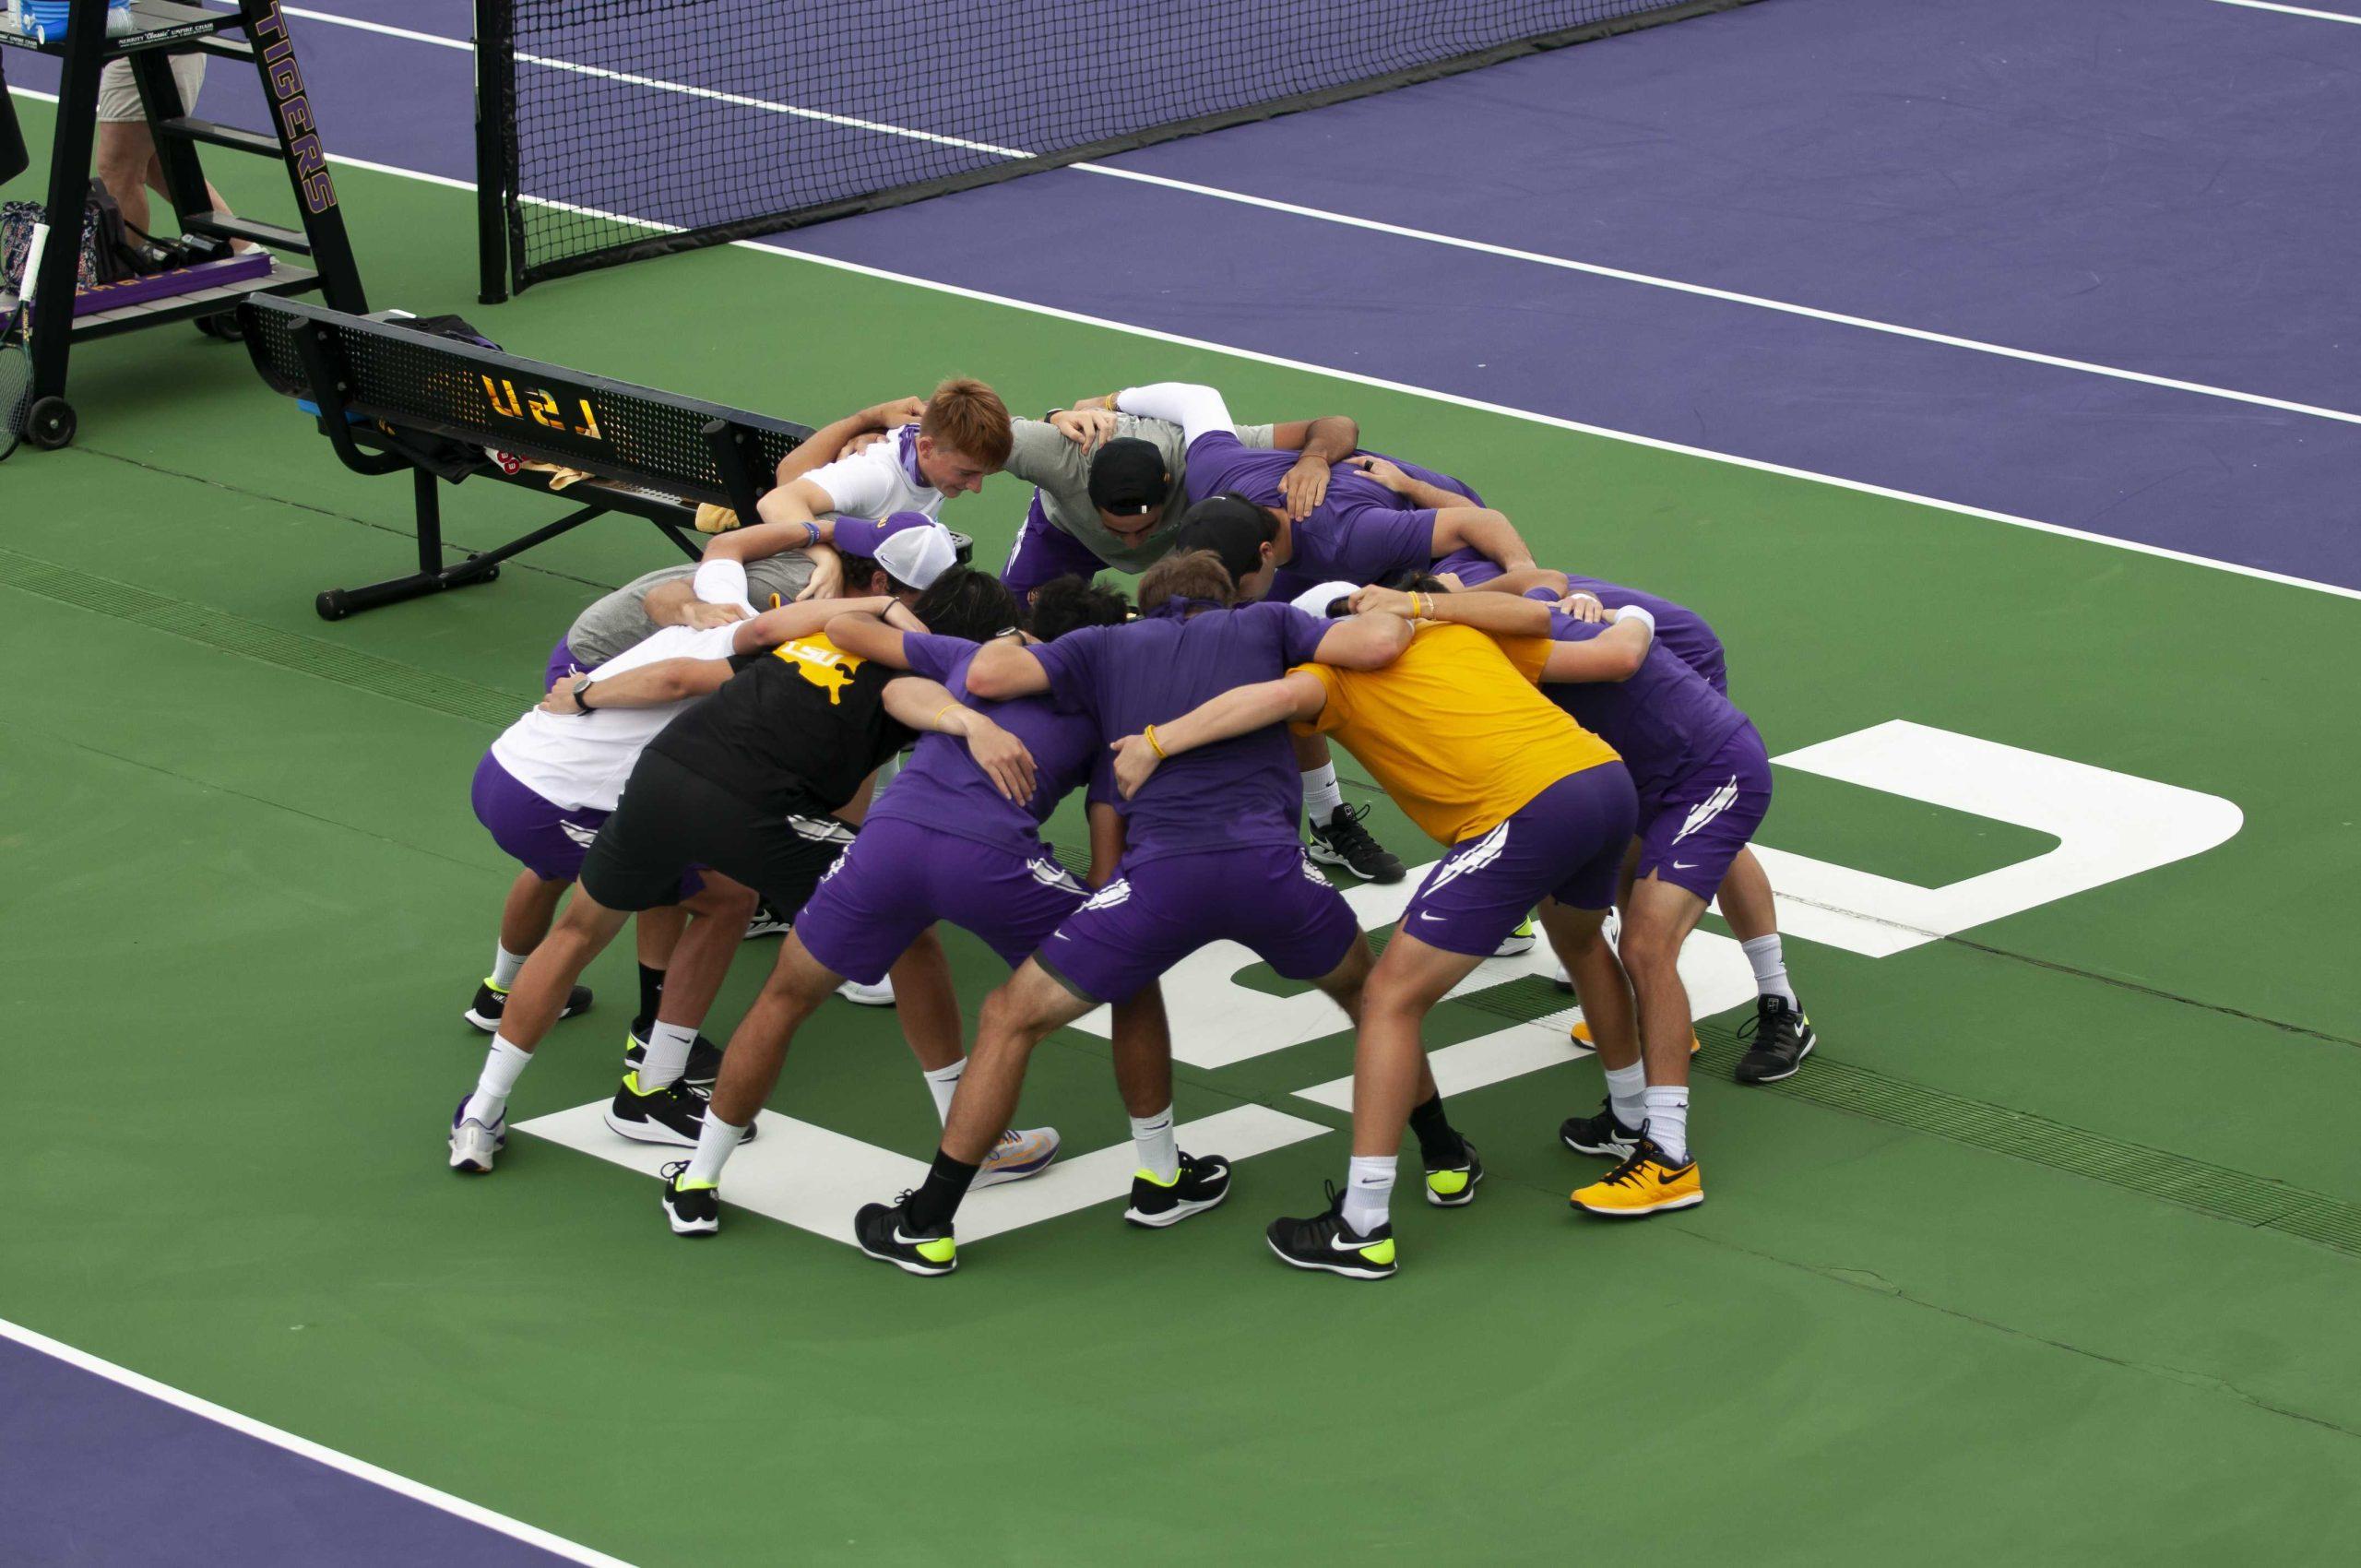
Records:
x=119, y=95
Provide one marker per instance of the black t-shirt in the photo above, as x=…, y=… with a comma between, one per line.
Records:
x=795, y=730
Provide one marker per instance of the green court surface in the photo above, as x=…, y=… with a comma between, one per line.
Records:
x=2049, y=1256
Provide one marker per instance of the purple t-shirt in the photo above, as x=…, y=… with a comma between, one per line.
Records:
x=1679, y=628
x=1235, y=793
x=1665, y=720
x=1361, y=532
x=942, y=788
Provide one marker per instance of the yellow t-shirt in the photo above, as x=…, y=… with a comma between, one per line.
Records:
x=1455, y=729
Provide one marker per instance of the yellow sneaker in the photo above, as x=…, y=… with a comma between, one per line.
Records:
x=1581, y=1031
x=1644, y=1183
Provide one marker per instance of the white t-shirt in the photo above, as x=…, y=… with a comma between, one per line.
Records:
x=580, y=761
x=880, y=479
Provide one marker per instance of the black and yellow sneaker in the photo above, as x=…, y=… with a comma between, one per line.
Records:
x=1601, y=1134
x=1325, y=1242
x=704, y=1057
x=1646, y=1183
x=673, y=1115
x=1782, y=1038
x=692, y=1210
x=1452, y=1184
x=492, y=1000
x=1201, y=1184
x=884, y=1231
x=1343, y=841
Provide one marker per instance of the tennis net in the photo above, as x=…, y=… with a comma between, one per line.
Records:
x=612, y=130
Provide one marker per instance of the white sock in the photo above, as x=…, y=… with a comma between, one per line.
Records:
x=668, y=1054
x=1626, y=1091
x=502, y=1066
x=1368, y=1191
x=1152, y=1141
x=504, y=966
x=942, y=1083
x=715, y=1142
x=1668, y=1119
x=1323, y=797
x=1769, y=967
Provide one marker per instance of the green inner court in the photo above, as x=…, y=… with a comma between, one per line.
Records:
x=247, y=901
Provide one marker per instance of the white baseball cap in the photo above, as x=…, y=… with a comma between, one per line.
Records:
x=911, y=546
x=1317, y=601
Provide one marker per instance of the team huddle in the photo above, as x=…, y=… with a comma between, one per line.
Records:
x=713, y=761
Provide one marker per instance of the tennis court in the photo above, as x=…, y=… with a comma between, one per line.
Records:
x=1986, y=376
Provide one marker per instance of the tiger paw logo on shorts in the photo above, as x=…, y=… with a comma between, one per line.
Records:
x=822, y=664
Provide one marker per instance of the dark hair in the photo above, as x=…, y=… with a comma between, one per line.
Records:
x=861, y=571
x=966, y=603
x=1231, y=526
x=1415, y=579
x=1065, y=604
x=1192, y=574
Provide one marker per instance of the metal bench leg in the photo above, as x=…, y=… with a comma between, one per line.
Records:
x=431, y=576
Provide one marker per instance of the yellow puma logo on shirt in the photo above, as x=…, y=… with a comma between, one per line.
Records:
x=822, y=664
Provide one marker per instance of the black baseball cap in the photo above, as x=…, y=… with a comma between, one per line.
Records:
x=1128, y=477
x=1231, y=526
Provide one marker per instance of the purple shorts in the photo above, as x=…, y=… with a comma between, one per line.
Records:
x=1691, y=830
x=899, y=878
x=1566, y=843
x=1044, y=552
x=549, y=841
x=1268, y=897
x=562, y=664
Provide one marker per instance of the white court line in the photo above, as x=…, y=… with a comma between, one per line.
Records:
x=2291, y=10
x=1885, y=493
x=417, y=1491
x=1427, y=236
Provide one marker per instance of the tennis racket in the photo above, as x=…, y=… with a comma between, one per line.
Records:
x=17, y=351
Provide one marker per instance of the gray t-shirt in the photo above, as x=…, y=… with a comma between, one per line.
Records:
x=1059, y=472
x=620, y=620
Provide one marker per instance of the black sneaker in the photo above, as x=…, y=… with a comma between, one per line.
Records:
x=1782, y=1038
x=883, y=1232
x=1202, y=1183
x=704, y=1057
x=767, y=922
x=1601, y=1134
x=673, y=1115
x=693, y=1211
x=1325, y=1241
x=1343, y=841
x=1452, y=1183
x=485, y=1010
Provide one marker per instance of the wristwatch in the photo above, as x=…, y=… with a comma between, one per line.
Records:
x=582, y=694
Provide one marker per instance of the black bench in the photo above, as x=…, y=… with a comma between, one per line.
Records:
x=391, y=396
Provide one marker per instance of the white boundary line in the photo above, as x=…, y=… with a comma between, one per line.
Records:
x=417, y=1491
x=1427, y=236
x=1480, y=405
x=2291, y=10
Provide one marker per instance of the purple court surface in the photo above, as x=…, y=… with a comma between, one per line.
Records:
x=181, y=1490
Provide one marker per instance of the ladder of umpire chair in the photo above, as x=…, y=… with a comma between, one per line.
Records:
x=161, y=27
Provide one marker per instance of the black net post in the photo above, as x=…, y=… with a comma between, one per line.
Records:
x=495, y=139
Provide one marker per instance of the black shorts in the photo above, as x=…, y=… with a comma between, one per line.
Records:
x=671, y=819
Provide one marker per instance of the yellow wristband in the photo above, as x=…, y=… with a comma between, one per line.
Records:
x=1152, y=742
x=940, y=711
x=1416, y=613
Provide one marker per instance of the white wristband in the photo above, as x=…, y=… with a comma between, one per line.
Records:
x=1637, y=612
x=721, y=581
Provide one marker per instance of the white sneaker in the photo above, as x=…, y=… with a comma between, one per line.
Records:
x=1560, y=978
x=1518, y=943
x=474, y=1144
x=1017, y=1155
x=878, y=995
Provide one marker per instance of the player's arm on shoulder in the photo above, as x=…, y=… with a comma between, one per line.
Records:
x=1525, y=577
x=805, y=617
x=1497, y=615
x=676, y=604
x=1331, y=436
x=1616, y=654
x=648, y=685
x=1197, y=409
x=1482, y=530
x=861, y=627
x=1241, y=710
x=1363, y=642
x=1002, y=670
x=929, y=707
x=825, y=445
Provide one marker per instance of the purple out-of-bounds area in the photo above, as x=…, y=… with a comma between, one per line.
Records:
x=94, y=1473
x=2157, y=187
